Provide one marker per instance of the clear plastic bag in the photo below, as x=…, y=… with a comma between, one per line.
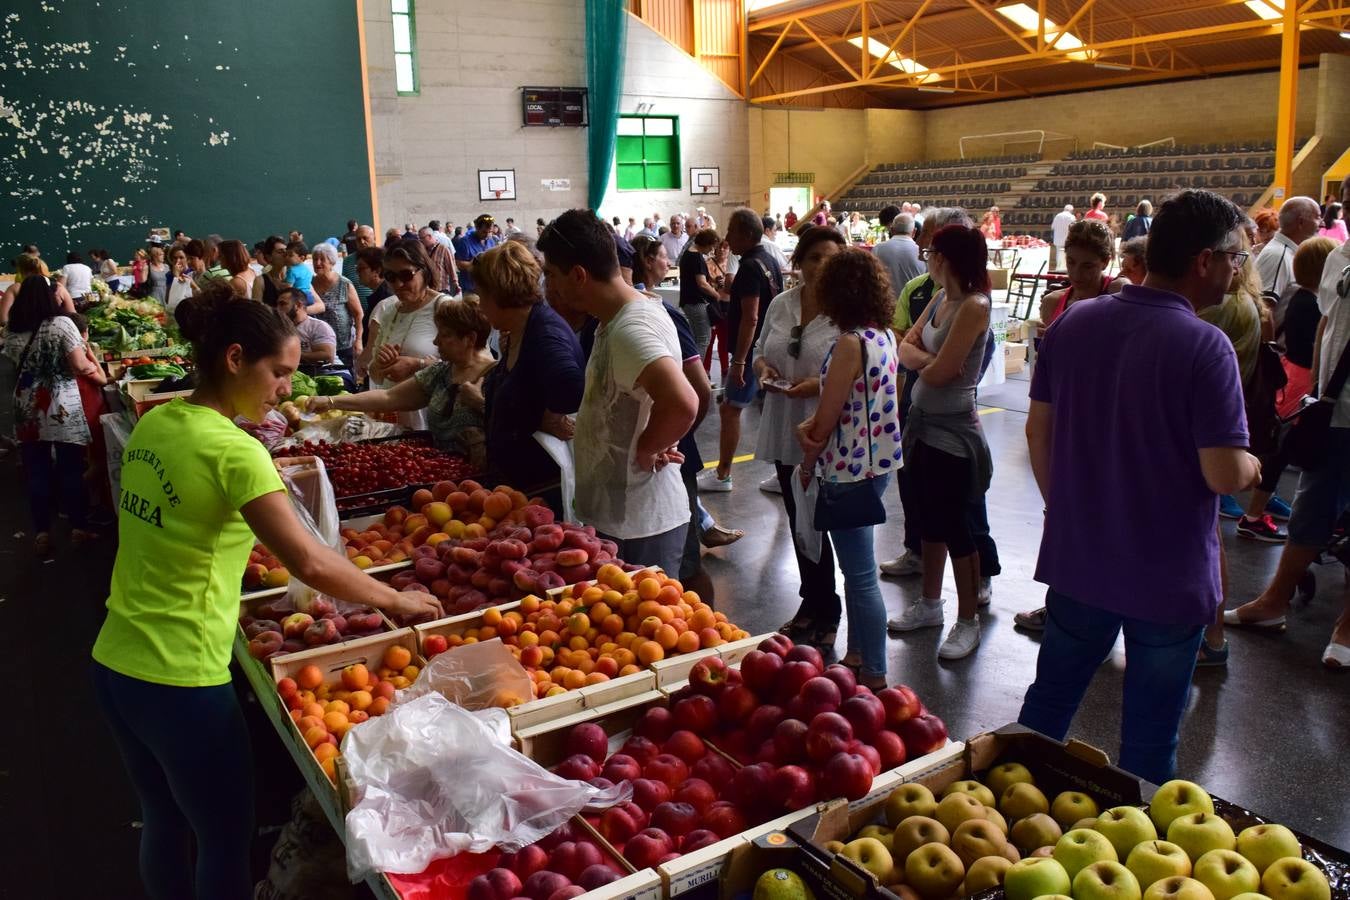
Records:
x=804, y=528
x=475, y=676
x=311, y=495
x=434, y=780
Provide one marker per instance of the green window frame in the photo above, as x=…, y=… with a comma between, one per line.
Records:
x=647, y=155
x=405, y=48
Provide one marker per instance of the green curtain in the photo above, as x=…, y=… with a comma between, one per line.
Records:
x=606, y=37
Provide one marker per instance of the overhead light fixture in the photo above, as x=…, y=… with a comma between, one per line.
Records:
x=1266, y=9
x=896, y=61
x=1027, y=19
x=757, y=5
x=1113, y=67
x=935, y=89
x=1346, y=35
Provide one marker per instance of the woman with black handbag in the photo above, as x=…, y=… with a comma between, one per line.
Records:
x=852, y=442
x=944, y=443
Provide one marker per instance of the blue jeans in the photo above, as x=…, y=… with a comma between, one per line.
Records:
x=196, y=791
x=1160, y=660
x=665, y=550
x=65, y=476
x=862, y=592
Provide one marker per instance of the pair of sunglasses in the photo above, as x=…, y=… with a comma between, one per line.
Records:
x=794, y=347
x=403, y=276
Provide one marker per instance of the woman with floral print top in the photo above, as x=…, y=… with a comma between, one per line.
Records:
x=48, y=355
x=854, y=436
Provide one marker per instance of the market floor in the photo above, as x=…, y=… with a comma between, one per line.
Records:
x=1271, y=730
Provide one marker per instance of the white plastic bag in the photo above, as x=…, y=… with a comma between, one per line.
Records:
x=475, y=676
x=434, y=780
x=804, y=532
x=311, y=495
x=561, y=453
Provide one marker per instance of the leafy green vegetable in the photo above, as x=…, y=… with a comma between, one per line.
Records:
x=328, y=385
x=302, y=386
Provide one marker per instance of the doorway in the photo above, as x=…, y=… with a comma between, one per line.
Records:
x=796, y=196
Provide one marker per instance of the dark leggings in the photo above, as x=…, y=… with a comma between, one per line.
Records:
x=820, y=601
x=68, y=474
x=977, y=517
x=942, y=491
x=187, y=752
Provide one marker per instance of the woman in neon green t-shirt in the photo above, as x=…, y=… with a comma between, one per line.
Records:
x=195, y=490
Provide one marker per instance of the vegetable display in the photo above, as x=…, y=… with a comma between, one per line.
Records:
x=159, y=370
x=122, y=326
x=328, y=385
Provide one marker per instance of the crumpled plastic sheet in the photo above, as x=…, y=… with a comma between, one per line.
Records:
x=435, y=780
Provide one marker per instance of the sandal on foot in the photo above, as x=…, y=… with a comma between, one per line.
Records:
x=1232, y=618
x=874, y=683
x=852, y=662
x=825, y=638
x=797, y=628
x=1211, y=656
x=717, y=536
x=1032, y=620
x=1336, y=656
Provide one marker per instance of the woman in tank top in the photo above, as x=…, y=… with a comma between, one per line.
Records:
x=157, y=276
x=944, y=444
x=1087, y=253
x=341, y=306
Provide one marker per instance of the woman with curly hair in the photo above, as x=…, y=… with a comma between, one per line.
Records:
x=944, y=443
x=854, y=455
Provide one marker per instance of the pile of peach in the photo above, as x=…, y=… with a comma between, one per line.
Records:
x=323, y=712
x=596, y=632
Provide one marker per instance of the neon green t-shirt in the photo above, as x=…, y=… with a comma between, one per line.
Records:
x=186, y=472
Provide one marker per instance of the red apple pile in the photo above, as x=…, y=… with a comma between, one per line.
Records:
x=680, y=788
x=803, y=731
x=275, y=627
x=563, y=865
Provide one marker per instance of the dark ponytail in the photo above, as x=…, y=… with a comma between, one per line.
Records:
x=216, y=319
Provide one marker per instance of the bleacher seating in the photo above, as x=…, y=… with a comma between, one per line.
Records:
x=1239, y=170
x=973, y=183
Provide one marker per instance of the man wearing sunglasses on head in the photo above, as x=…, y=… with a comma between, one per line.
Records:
x=471, y=244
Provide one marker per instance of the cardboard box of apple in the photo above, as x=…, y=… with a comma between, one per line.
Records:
x=566, y=864
x=1003, y=836
x=689, y=792
x=807, y=731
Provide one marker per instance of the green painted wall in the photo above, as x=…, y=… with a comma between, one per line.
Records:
x=233, y=117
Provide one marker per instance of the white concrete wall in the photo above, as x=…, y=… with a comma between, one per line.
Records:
x=473, y=58
x=713, y=124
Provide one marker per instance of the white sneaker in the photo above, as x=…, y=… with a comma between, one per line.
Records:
x=909, y=563
x=919, y=614
x=709, y=482
x=770, y=485
x=961, y=640
x=986, y=595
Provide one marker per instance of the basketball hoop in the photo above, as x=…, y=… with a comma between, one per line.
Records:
x=496, y=195
x=706, y=188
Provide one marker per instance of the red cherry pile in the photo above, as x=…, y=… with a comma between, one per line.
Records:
x=357, y=468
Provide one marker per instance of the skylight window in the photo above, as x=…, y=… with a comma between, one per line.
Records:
x=1025, y=18
x=895, y=60
x=1266, y=9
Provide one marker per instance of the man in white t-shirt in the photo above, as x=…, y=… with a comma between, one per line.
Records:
x=1059, y=233
x=770, y=243
x=637, y=404
x=79, y=277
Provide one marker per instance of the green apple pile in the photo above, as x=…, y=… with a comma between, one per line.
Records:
x=1006, y=832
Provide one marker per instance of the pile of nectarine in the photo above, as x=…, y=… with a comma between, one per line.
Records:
x=324, y=711
x=595, y=632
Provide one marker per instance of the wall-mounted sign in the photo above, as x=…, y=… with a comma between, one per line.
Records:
x=552, y=107
x=705, y=182
x=556, y=184
x=496, y=184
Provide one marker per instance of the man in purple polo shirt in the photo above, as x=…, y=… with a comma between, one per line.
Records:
x=1136, y=427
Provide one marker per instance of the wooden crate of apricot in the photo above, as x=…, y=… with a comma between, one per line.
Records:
x=330, y=690
x=591, y=633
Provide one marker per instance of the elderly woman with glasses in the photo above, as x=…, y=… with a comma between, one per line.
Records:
x=403, y=327
x=788, y=358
